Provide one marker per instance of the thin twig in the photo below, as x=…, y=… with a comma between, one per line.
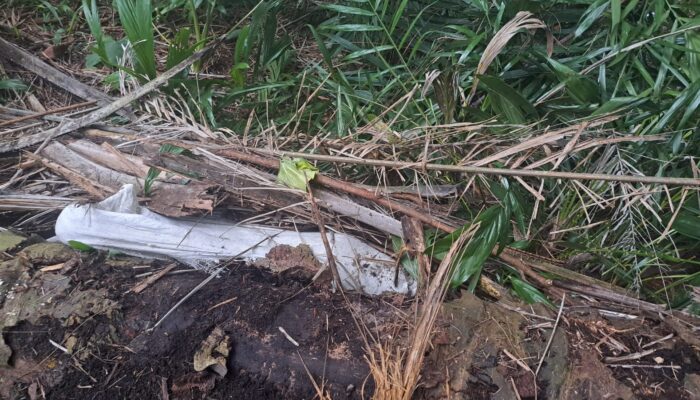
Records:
x=644, y=366
x=47, y=112
x=286, y=335
x=141, y=286
x=551, y=337
x=628, y=357
x=322, y=230
x=661, y=180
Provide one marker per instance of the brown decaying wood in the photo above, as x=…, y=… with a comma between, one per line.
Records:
x=345, y=187
x=414, y=240
x=96, y=190
x=141, y=286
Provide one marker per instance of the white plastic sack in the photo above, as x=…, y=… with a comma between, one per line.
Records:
x=119, y=223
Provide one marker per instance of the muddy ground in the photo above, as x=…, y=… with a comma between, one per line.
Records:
x=113, y=354
x=104, y=345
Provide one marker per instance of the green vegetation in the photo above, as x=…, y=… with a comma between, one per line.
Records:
x=455, y=81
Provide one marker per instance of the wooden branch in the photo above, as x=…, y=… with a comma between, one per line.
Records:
x=346, y=188
x=660, y=180
x=23, y=58
x=48, y=112
x=141, y=286
x=115, y=105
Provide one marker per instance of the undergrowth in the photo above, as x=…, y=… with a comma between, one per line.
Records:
x=449, y=82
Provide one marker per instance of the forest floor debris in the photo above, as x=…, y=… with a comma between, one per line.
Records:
x=251, y=313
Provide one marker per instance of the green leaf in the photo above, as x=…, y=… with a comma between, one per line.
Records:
x=509, y=102
x=173, y=149
x=687, y=99
x=687, y=224
x=492, y=223
x=12, y=84
x=352, y=28
x=347, y=9
x=80, y=246
x=527, y=292
x=592, y=14
x=136, y=17
x=582, y=89
x=364, y=52
x=179, y=49
x=398, y=12
x=409, y=264
x=296, y=173
x=151, y=176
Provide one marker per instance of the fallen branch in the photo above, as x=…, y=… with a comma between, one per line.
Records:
x=554, y=330
x=48, y=112
x=660, y=180
x=32, y=63
x=526, y=261
x=116, y=105
x=346, y=188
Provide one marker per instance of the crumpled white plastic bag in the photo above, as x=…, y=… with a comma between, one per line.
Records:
x=119, y=223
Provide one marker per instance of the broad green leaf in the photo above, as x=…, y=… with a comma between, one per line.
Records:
x=296, y=173
x=615, y=104
x=686, y=100
x=468, y=266
x=136, y=17
x=687, y=224
x=693, y=55
x=582, y=89
x=496, y=85
x=527, y=292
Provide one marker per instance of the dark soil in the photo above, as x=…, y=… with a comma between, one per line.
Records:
x=117, y=357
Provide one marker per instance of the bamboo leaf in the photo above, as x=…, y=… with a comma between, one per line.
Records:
x=347, y=9
x=527, y=292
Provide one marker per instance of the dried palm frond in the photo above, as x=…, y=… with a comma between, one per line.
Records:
x=522, y=20
x=395, y=370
